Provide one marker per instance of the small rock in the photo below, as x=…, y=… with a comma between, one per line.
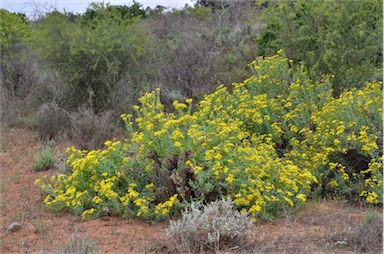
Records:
x=14, y=227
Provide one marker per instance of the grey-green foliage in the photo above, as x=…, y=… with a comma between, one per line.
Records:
x=216, y=226
x=80, y=246
x=44, y=160
x=92, y=56
x=343, y=37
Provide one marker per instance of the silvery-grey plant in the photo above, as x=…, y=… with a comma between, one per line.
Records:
x=217, y=226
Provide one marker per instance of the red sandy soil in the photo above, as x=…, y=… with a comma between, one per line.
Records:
x=316, y=228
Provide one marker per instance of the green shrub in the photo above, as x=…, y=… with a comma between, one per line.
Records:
x=14, y=32
x=30, y=122
x=217, y=226
x=348, y=136
x=91, y=54
x=266, y=145
x=44, y=160
x=343, y=38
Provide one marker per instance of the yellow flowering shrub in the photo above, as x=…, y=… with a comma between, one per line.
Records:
x=268, y=143
x=349, y=135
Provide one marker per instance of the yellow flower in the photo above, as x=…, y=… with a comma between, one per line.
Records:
x=302, y=197
x=254, y=209
x=164, y=208
x=372, y=198
x=333, y=184
x=149, y=186
x=159, y=132
x=177, y=134
x=177, y=144
x=230, y=178
x=126, y=117
x=289, y=201
x=88, y=212
x=97, y=199
x=37, y=181
x=179, y=106
x=197, y=169
x=189, y=163
x=294, y=128
x=47, y=200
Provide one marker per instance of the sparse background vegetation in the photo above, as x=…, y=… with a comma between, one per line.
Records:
x=106, y=58
x=264, y=103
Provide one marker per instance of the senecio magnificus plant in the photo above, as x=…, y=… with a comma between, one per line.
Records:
x=276, y=139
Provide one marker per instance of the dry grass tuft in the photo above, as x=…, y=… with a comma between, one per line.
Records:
x=80, y=246
x=368, y=237
x=90, y=130
x=52, y=121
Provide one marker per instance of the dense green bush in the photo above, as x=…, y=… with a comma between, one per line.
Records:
x=348, y=135
x=343, y=38
x=14, y=33
x=14, y=29
x=266, y=145
x=118, y=13
x=93, y=56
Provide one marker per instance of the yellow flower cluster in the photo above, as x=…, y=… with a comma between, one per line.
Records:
x=264, y=145
x=351, y=123
x=131, y=194
x=87, y=213
x=164, y=208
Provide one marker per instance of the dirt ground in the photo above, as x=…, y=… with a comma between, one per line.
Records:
x=317, y=228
